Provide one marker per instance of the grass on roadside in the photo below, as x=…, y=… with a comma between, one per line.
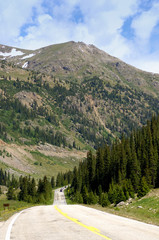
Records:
x=145, y=209
x=141, y=211
x=16, y=206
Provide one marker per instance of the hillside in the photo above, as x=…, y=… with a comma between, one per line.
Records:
x=128, y=168
x=38, y=160
x=71, y=95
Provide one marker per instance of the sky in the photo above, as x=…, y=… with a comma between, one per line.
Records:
x=127, y=29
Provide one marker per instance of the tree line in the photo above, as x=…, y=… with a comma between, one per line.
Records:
x=30, y=190
x=26, y=188
x=127, y=167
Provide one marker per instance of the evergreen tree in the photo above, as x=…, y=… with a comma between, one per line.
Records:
x=135, y=167
x=107, y=167
x=32, y=189
x=112, y=193
x=53, y=182
x=104, y=200
x=85, y=194
x=23, y=194
x=100, y=168
x=143, y=188
x=78, y=197
x=127, y=167
x=47, y=189
x=91, y=166
x=92, y=199
x=10, y=193
x=58, y=180
x=119, y=195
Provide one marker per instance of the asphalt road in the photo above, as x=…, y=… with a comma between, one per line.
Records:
x=61, y=222
x=59, y=197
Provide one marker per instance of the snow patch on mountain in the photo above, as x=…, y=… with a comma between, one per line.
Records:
x=28, y=56
x=25, y=65
x=13, y=53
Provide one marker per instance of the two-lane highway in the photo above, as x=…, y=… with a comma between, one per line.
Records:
x=66, y=222
x=59, y=197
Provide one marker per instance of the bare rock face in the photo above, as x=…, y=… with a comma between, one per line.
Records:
x=29, y=99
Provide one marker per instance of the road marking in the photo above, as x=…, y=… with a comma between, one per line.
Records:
x=92, y=229
x=11, y=224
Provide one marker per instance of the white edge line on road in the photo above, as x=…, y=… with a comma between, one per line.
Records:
x=10, y=226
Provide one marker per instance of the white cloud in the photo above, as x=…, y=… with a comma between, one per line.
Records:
x=146, y=64
x=145, y=23
x=14, y=14
x=100, y=23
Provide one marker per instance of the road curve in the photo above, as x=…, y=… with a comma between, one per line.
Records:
x=69, y=222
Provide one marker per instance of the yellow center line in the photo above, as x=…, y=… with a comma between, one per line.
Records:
x=92, y=229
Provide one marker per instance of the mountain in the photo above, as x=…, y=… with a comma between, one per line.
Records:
x=76, y=61
x=71, y=95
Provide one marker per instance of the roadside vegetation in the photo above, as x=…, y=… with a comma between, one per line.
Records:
x=116, y=173
x=123, y=178
x=24, y=192
x=145, y=209
x=14, y=207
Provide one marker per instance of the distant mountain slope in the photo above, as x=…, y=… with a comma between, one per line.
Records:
x=74, y=92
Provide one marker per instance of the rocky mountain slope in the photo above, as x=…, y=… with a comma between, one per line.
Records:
x=71, y=95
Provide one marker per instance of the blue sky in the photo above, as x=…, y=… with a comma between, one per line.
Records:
x=127, y=29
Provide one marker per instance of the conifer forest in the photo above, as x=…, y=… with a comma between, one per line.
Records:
x=119, y=171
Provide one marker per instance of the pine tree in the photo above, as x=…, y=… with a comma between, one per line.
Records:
x=107, y=167
x=104, y=200
x=100, y=168
x=112, y=193
x=75, y=179
x=143, y=188
x=58, y=180
x=47, y=189
x=91, y=166
x=100, y=194
x=85, y=194
x=119, y=194
x=53, y=182
x=78, y=197
x=23, y=194
x=33, y=188
x=135, y=167
x=91, y=198
x=11, y=194
x=123, y=160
